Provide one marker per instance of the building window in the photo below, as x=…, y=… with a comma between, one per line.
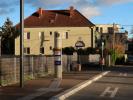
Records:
x=50, y=33
x=66, y=35
x=27, y=50
x=41, y=35
x=27, y=35
x=97, y=29
x=42, y=50
x=101, y=30
x=110, y=29
x=50, y=48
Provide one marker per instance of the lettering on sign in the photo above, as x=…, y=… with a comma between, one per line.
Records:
x=57, y=62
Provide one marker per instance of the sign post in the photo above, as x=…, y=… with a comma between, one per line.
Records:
x=58, y=55
x=78, y=45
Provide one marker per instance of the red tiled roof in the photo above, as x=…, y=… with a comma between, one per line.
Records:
x=57, y=18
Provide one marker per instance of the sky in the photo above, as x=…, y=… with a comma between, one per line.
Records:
x=97, y=11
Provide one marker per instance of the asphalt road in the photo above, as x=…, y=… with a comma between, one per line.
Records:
x=117, y=85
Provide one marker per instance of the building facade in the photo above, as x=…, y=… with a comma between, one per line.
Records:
x=40, y=28
x=111, y=35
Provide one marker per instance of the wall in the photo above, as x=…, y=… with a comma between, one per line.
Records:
x=35, y=66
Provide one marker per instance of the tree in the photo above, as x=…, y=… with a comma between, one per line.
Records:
x=8, y=33
x=68, y=50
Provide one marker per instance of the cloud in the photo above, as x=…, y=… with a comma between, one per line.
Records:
x=46, y=3
x=90, y=11
x=89, y=8
x=111, y=2
x=7, y=7
x=6, y=11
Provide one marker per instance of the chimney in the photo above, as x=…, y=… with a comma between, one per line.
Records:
x=71, y=11
x=40, y=12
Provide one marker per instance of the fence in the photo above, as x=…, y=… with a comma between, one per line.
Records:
x=34, y=66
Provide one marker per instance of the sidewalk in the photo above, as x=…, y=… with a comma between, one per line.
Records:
x=45, y=87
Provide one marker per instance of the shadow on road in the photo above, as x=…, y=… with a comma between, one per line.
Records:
x=97, y=67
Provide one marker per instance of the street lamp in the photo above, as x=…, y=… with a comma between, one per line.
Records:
x=102, y=58
x=102, y=48
x=21, y=43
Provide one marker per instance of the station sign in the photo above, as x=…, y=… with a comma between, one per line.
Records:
x=79, y=44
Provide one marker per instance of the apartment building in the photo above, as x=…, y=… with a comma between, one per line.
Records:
x=109, y=33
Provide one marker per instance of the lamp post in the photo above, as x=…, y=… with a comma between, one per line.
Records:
x=102, y=48
x=21, y=43
x=102, y=58
x=0, y=44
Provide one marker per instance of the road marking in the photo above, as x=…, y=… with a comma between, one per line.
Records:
x=109, y=91
x=73, y=90
x=123, y=74
x=53, y=87
x=55, y=83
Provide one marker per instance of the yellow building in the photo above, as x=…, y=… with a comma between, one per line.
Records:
x=40, y=28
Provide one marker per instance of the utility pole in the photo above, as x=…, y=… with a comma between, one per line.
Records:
x=0, y=45
x=102, y=55
x=113, y=45
x=21, y=43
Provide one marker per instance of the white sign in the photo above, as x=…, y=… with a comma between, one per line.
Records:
x=79, y=44
x=57, y=53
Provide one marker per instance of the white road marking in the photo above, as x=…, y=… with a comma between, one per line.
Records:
x=53, y=87
x=73, y=90
x=123, y=74
x=55, y=83
x=109, y=91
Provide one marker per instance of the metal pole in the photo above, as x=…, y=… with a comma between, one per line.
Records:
x=0, y=44
x=102, y=48
x=21, y=43
x=0, y=62
x=113, y=46
x=102, y=55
